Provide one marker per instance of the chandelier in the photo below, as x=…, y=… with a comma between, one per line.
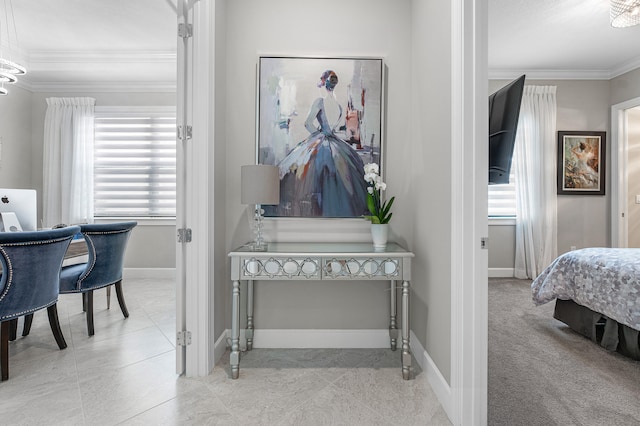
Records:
x=9, y=69
x=625, y=13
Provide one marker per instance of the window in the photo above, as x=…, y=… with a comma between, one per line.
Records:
x=135, y=162
x=502, y=198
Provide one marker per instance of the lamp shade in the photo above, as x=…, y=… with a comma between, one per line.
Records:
x=625, y=13
x=260, y=184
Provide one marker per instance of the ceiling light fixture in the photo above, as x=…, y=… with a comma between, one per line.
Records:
x=625, y=13
x=8, y=44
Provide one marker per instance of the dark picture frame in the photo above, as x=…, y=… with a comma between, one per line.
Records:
x=316, y=182
x=581, y=162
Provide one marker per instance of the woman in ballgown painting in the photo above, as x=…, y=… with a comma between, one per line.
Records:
x=323, y=175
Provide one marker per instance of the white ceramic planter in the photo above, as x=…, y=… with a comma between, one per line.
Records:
x=379, y=234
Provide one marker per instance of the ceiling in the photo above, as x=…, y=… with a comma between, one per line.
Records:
x=559, y=39
x=71, y=43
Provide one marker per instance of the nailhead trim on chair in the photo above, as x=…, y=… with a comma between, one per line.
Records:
x=10, y=272
x=29, y=311
x=93, y=249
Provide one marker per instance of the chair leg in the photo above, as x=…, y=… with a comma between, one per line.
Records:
x=4, y=349
x=89, y=300
x=108, y=297
x=123, y=306
x=84, y=302
x=26, y=328
x=13, y=329
x=55, y=326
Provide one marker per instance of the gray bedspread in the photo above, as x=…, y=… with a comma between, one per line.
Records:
x=605, y=280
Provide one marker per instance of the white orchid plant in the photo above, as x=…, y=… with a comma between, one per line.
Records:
x=380, y=212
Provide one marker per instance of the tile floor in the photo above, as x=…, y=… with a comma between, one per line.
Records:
x=125, y=375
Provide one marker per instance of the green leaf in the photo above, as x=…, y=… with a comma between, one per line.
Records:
x=375, y=220
x=387, y=206
x=371, y=205
x=387, y=219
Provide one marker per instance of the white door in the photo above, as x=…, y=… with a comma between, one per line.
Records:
x=194, y=304
x=182, y=120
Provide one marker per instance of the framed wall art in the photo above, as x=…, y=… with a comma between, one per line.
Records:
x=581, y=163
x=320, y=121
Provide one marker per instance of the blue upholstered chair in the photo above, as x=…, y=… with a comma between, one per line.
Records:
x=29, y=281
x=106, y=243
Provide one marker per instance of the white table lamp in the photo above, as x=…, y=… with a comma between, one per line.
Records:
x=260, y=184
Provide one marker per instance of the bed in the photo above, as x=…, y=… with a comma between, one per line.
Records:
x=597, y=293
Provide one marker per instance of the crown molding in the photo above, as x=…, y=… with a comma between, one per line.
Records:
x=100, y=86
x=625, y=67
x=46, y=57
x=510, y=74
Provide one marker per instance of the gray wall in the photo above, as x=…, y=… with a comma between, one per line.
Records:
x=583, y=221
x=625, y=87
x=15, y=131
x=413, y=154
x=22, y=116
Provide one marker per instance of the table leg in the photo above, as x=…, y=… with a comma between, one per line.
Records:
x=406, y=352
x=249, y=331
x=234, y=358
x=393, y=324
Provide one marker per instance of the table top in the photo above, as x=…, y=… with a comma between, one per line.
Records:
x=323, y=249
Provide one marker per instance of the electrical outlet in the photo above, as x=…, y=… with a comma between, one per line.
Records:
x=573, y=248
x=637, y=199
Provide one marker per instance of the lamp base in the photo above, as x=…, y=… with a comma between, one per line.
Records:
x=254, y=246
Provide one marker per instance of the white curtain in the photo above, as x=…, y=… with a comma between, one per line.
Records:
x=535, y=169
x=68, y=161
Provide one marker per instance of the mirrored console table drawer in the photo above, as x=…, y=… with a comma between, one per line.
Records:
x=319, y=268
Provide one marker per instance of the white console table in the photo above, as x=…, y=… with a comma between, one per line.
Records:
x=320, y=261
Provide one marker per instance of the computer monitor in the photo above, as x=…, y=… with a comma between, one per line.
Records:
x=23, y=204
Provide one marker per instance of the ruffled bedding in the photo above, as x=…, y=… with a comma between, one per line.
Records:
x=605, y=280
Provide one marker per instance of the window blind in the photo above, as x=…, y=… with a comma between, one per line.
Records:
x=502, y=198
x=135, y=162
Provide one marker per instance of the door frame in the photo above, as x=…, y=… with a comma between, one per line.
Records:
x=469, y=257
x=469, y=126
x=619, y=196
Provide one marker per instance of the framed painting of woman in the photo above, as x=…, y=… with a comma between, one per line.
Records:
x=320, y=121
x=581, y=163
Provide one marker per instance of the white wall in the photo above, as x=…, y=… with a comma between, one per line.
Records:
x=15, y=131
x=417, y=153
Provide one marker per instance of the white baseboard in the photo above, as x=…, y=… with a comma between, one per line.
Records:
x=320, y=338
x=158, y=273
x=500, y=272
x=437, y=381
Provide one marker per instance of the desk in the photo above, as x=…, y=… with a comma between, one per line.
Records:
x=320, y=261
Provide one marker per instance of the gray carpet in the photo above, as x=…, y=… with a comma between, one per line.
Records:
x=543, y=373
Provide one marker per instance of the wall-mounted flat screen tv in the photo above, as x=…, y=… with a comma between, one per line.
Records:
x=504, y=110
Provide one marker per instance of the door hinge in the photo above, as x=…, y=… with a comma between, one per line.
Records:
x=184, y=132
x=484, y=243
x=185, y=30
x=183, y=338
x=184, y=235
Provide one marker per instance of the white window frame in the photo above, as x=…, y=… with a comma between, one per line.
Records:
x=106, y=111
